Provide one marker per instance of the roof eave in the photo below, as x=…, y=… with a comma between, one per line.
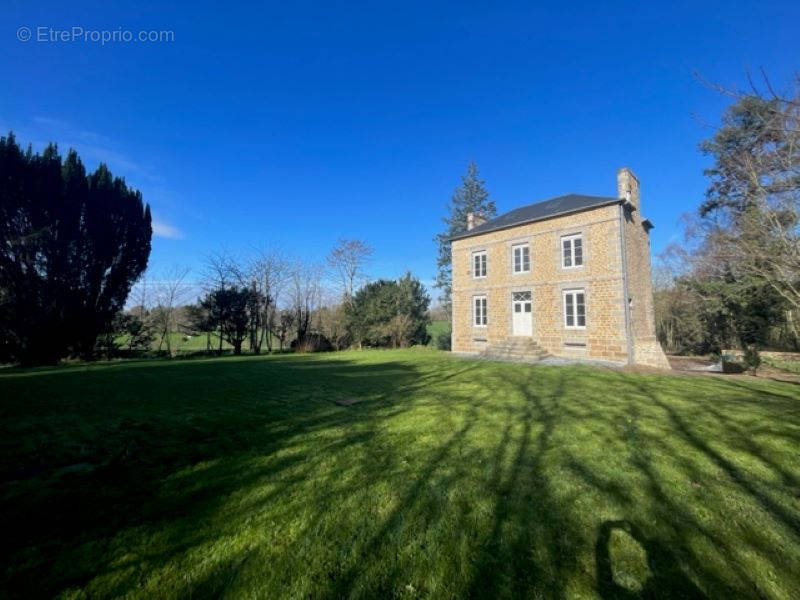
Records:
x=536, y=220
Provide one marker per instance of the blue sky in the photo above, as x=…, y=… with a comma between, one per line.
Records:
x=294, y=124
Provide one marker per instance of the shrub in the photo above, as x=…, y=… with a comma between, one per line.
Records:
x=390, y=313
x=752, y=358
x=313, y=342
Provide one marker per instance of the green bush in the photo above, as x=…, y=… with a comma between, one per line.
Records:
x=390, y=313
x=752, y=358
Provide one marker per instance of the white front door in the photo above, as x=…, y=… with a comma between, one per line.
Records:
x=522, y=313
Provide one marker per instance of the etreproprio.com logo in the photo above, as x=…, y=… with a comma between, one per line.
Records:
x=47, y=34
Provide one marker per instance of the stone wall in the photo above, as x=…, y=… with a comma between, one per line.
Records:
x=646, y=349
x=613, y=236
x=600, y=276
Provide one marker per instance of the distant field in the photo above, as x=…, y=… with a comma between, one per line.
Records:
x=435, y=328
x=792, y=366
x=181, y=343
x=447, y=478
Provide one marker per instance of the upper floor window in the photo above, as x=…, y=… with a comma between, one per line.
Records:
x=575, y=309
x=572, y=251
x=522, y=258
x=479, y=264
x=479, y=311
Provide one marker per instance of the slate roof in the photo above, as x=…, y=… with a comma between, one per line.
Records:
x=547, y=209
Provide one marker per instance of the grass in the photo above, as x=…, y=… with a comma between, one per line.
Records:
x=184, y=344
x=790, y=366
x=452, y=478
x=435, y=328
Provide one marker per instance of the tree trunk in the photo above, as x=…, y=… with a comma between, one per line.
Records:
x=161, y=341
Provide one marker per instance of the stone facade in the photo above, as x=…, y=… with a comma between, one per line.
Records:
x=613, y=281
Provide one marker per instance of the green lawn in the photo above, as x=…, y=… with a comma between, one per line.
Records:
x=435, y=328
x=184, y=344
x=791, y=366
x=451, y=478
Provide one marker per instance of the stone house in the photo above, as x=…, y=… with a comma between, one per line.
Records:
x=567, y=277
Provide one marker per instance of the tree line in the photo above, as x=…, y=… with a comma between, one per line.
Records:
x=73, y=245
x=735, y=281
x=268, y=302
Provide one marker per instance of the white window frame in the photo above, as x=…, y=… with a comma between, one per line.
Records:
x=480, y=309
x=484, y=263
x=574, y=293
x=571, y=239
x=521, y=248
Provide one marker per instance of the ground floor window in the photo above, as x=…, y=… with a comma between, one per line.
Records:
x=479, y=311
x=575, y=309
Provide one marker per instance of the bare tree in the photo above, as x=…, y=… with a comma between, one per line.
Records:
x=170, y=292
x=284, y=324
x=268, y=273
x=399, y=329
x=265, y=274
x=220, y=273
x=305, y=293
x=139, y=293
x=348, y=259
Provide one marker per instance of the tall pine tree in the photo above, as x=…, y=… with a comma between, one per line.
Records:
x=470, y=197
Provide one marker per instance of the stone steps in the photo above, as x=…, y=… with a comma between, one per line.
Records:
x=519, y=349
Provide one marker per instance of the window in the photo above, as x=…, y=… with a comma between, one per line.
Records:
x=572, y=251
x=479, y=311
x=479, y=264
x=522, y=258
x=521, y=301
x=574, y=309
x=521, y=296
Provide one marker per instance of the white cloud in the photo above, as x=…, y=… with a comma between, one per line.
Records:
x=165, y=230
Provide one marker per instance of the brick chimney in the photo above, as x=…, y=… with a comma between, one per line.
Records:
x=474, y=219
x=628, y=187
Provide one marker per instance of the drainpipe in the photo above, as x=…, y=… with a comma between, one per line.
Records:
x=624, y=265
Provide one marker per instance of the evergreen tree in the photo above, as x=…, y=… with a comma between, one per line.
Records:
x=71, y=247
x=231, y=309
x=470, y=197
x=390, y=313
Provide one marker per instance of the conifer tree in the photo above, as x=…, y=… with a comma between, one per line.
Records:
x=71, y=247
x=470, y=197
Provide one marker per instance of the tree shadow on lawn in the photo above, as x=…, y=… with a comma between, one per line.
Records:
x=142, y=451
x=712, y=495
x=569, y=459
x=666, y=579
x=452, y=479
